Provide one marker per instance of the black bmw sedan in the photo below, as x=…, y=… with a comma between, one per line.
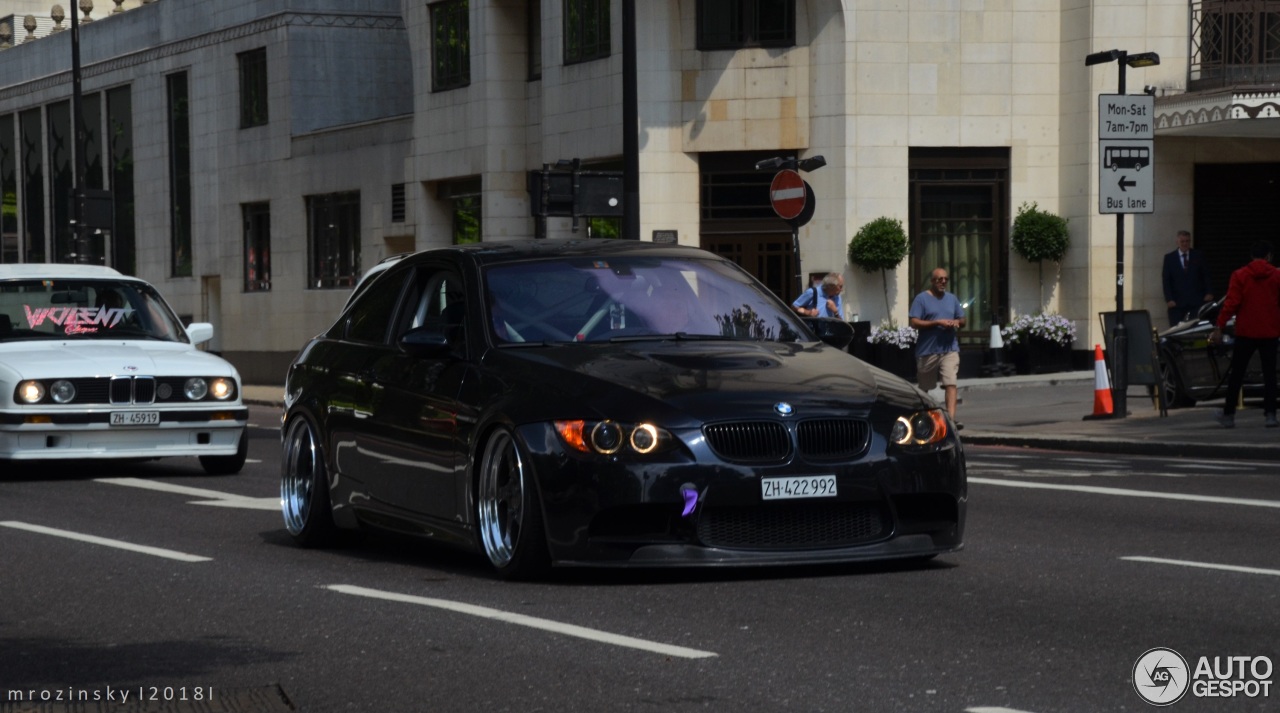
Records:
x=606, y=403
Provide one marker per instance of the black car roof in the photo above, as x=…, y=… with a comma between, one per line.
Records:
x=495, y=252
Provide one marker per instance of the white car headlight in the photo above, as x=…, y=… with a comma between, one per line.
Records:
x=195, y=388
x=222, y=389
x=30, y=392
x=62, y=391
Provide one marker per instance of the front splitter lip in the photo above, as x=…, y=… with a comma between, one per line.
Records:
x=674, y=556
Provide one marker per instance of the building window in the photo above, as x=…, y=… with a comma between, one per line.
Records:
x=10, y=245
x=451, y=46
x=586, y=30
x=58, y=120
x=333, y=240
x=179, y=176
x=120, y=146
x=533, y=35
x=253, y=87
x=735, y=24
x=257, y=246
x=464, y=197
x=32, y=151
x=397, y=203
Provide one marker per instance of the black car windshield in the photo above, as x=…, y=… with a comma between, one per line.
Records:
x=84, y=309
x=623, y=298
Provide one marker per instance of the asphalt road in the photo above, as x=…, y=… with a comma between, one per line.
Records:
x=1075, y=566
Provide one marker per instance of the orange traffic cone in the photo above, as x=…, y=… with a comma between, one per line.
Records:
x=1102, y=407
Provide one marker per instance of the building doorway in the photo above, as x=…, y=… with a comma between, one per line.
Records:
x=1236, y=204
x=958, y=217
x=738, y=222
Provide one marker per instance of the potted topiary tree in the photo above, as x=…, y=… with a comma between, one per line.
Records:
x=1040, y=342
x=1039, y=235
x=882, y=245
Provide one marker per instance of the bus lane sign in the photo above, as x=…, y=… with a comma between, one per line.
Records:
x=1126, y=153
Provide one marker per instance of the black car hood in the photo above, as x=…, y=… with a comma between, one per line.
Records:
x=705, y=380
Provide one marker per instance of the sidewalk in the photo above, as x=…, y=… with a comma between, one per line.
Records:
x=1047, y=411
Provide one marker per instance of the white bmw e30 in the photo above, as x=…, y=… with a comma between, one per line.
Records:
x=95, y=364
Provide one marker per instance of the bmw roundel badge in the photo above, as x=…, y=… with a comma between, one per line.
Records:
x=783, y=408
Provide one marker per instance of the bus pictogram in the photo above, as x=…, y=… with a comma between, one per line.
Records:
x=1118, y=157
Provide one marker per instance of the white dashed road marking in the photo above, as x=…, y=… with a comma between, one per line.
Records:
x=118, y=544
x=1205, y=565
x=213, y=497
x=522, y=620
x=1125, y=492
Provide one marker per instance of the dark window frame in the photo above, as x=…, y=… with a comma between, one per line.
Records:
x=740, y=24
x=333, y=240
x=450, y=45
x=588, y=30
x=466, y=203
x=533, y=38
x=254, y=107
x=179, y=119
x=256, y=219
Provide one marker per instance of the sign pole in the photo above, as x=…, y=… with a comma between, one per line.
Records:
x=1125, y=147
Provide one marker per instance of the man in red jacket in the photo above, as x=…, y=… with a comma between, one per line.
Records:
x=1253, y=298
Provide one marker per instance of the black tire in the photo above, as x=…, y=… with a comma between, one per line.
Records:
x=228, y=465
x=304, y=487
x=1175, y=393
x=509, y=512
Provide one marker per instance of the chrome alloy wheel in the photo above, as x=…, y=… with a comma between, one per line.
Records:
x=300, y=470
x=501, y=498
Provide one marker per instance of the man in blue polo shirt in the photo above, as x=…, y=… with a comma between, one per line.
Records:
x=937, y=315
x=825, y=300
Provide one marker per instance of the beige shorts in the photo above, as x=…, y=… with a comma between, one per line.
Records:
x=937, y=368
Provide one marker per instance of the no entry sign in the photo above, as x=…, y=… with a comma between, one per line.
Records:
x=787, y=194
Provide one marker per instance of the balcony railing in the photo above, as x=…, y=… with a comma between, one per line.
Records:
x=1234, y=43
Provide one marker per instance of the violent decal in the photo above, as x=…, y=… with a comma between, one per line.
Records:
x=76, y=320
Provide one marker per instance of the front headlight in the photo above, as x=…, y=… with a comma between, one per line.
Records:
x=62, y=391
x=222, y=389
x=612, y=437
x=195, y=388
x=920, y=428
x=30, y=392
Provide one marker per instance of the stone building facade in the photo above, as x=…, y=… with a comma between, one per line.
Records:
x=261, y=154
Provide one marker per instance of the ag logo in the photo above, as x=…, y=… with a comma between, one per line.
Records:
x=1161, y=677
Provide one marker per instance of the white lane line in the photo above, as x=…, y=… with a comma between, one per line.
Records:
x=1206, y=565
x=118, y=544
x=1130, y=493
x=213, y=497
x=993, y=709
x=522, y=620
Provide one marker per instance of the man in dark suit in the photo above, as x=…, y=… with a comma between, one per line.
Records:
x=1186, y=281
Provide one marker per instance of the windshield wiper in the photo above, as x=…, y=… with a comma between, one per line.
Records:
x=677, y=336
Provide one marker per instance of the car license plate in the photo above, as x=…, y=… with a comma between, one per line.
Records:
x=809, y=486
x=135, y=418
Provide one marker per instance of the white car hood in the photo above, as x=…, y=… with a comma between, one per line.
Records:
x=62, y=359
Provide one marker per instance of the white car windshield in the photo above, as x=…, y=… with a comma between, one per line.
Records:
x=80, y=308
x=623, y=298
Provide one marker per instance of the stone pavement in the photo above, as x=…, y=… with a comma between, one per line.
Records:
x=1047, y=411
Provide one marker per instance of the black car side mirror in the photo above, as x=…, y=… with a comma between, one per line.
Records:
x=835, y=332
x=426, y=342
